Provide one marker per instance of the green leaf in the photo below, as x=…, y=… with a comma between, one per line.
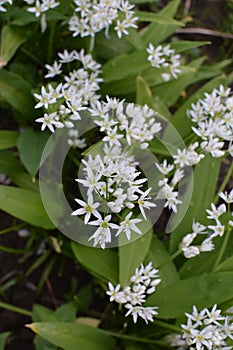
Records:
x=125, y=65
x=183, y=45
x=17, y=92
x=205, y=179
x=11, y=39
x=25, y=205
x=66, y=312
x=159, y=255
x=143, y=93
x=156, y=18
x=73, y=336
x=226, y=265
x=31, y=156
x=157, y=33
x=103, y=263
x=170, y=91
x=203, y=291
x=3, y=338
x=131, y=255
x=8, y=139
x=42, y=314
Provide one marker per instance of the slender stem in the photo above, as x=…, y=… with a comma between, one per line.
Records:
x=172, y=257
x=11, y=250
x=12, y=228
x=225, y=182
x=169, y=326
x=51, y=39
x=16, y=309
x=222, y=249
x=131, y=337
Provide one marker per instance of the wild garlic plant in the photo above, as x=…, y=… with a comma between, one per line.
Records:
x=142, y=283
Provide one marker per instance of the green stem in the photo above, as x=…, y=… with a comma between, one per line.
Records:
x=51, y=39
x=225, y=182
x=11, y=250
x=16, y=309
x=169, y=326
x=131, y=337
x=222, y=249
x=12, y=228
x=172, y=257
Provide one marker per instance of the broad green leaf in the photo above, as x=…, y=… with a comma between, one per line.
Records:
x=24, y=180
x=156, y=18
x=42, y=344
x=66, y=312
x=199, y=264
x=25, y=205
x=132, y=255
x=172, y=90
x=203, y=291
x=143, y=93
x=11, y=39
x=31, y=156
x=8, y=139
x=183, y=45
x=226, y=265
x=107, y=49
x=16, y=92
x=157, y=33
x=103, y=263
x=41, y=313
x=205, y=261
x=9, y=164
x=205, y=179
x=73, y=336
x=125, y=65
x=159, y=255
x=3, y=338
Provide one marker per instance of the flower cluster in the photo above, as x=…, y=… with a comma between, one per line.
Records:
x=213, y=117
x=207, y=329
x=94, y=16
x=4, y=2
x=134, y=123
x=143, y=283
x=64, y=101
x=173, y=174
x=212, y=231
x=164, y=57
x=167, y=185
x=115, y=180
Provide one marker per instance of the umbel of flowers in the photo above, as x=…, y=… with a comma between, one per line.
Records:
x=205, y=329
x=142, y=283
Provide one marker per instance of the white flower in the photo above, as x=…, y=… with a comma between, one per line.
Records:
x=144, y=203
x=49, y=121
x=44, y=99
x=227, y=197
x=88, y=209
x=216, y=212
x=128, y=225
x=113, y=292
x=165, y=168
x=191, y=251
x=218, y=229
x=103, y=234
x=53, y=70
